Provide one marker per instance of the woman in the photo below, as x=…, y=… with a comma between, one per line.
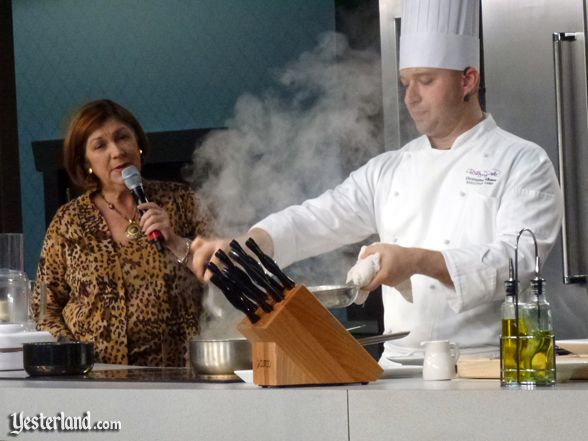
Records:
x=104, y=281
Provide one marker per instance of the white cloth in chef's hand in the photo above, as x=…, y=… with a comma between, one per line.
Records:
x=364, y=270
x=362, y=273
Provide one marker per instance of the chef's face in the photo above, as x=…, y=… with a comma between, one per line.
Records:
x=435, y=99
x=109, y=149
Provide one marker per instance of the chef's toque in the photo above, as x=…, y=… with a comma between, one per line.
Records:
x=440, y=34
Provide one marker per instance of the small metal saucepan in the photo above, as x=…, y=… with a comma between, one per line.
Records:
x=58, y=358
x=218, y=359
x=335, y=296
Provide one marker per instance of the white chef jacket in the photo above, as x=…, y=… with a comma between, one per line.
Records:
x=469, y=202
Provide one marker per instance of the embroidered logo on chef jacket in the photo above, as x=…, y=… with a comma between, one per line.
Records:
x=476, y=176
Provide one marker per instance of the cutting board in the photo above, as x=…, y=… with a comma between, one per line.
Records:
x=490, y=368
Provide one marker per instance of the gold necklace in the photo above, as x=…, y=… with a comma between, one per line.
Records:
x=133, y=230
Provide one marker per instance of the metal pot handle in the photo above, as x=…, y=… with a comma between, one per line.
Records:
x=382, y=338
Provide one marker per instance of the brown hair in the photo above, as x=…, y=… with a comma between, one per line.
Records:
x=83, y=123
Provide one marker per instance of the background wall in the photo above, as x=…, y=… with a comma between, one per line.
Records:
x=177, y=64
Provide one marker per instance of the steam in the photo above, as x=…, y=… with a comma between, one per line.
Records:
x=321, y=120
x=218, y=319
x=299, y=139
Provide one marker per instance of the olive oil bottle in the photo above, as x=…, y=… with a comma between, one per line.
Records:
x=509, y=341
x=527, y=341
x=538, y=350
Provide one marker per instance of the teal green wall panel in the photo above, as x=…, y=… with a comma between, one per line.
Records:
x=177, y=64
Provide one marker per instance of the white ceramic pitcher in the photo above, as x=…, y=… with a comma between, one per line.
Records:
x=440, y=360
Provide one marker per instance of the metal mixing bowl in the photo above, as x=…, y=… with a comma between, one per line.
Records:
x=218, y=359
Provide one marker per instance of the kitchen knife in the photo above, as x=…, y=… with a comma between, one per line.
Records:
x=232, y=294
x=254, y=264
x=230, y=288
x=222, y=256
x=233, y=287
x=241, y=280
x=253, y=318
x=262, y=279
x=256, y=272
x=269, y=264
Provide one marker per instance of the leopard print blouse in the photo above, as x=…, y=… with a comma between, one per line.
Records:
x=137, y=305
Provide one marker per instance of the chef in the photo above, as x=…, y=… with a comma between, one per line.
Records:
x=447, y=206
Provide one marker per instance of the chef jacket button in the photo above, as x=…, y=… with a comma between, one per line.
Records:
x=394, y=239
x=396, y=193
x=431, y=286
x=462, y=193
x=446, y=241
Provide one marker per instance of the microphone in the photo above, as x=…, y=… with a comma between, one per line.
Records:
x=133, y=181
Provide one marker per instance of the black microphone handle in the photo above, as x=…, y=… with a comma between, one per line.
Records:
x=139, y=194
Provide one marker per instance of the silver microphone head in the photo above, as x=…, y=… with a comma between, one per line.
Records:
x=132, y=177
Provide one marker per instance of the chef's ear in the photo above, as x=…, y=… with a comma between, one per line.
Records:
x=470, y=82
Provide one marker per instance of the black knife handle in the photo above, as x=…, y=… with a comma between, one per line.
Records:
x=230, y=288
x=255, y=271
x=232, y=282
x=219, y=282
x=237, y=248
x=215, y=270
x=252, y=266
x=233, y=299
x=222, y=256
x=242, y=280
x=255, y=266
x=269, y=264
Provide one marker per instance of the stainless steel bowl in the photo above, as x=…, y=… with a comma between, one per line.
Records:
x=335, y=296
x=218, y=359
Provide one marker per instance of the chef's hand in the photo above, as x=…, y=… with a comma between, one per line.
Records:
x=398, y=264
x=203, y=250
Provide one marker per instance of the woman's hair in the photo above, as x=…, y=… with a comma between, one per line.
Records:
x=83, y=123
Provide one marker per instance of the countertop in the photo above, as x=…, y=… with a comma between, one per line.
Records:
x=395, y=408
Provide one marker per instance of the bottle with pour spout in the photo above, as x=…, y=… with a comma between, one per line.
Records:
x=538, y=349
x=530, y=360
x=512, y=329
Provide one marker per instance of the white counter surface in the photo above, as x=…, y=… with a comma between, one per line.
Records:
x=392, y=409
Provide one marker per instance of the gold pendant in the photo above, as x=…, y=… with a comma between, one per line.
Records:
x=133, y=230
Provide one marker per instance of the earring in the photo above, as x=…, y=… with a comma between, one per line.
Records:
x=141, y=152
x=90, y=171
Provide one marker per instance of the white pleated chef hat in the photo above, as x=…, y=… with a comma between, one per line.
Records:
x=440, y=33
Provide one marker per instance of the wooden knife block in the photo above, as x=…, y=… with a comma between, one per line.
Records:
x=300, y=342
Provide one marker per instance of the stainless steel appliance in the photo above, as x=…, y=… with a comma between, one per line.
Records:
x=520, y=83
